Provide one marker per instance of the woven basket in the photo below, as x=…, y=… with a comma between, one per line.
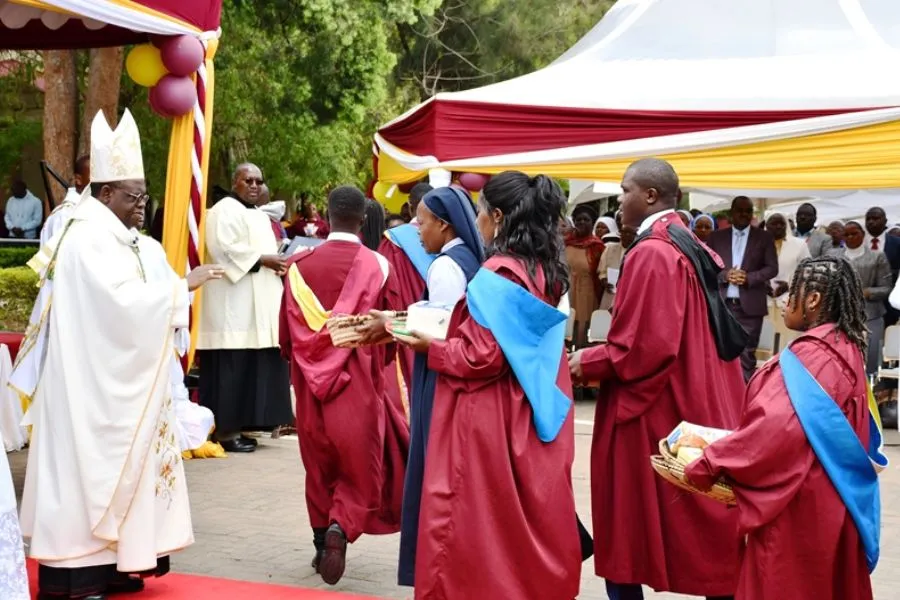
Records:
x=670, y=469
x=343, y=329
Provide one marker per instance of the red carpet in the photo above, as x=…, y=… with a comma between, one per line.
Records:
x=175, y=586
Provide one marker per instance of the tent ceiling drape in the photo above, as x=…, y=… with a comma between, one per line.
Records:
x=739, y=95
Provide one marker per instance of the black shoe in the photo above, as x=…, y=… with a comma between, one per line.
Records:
x=237, y=445
x=334, y=560
x=319, y=544
x=43, y=596
x=249, y=440
x=123, y=583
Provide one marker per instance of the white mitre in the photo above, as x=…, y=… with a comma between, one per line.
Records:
x=115, y=155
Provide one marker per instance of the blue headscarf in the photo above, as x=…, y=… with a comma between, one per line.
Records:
x=454, y=206
x=703, y=216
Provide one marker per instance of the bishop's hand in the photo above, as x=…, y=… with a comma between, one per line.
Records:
x=202, y=274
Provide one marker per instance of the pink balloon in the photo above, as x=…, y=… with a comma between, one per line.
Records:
x=473, y=182
x=173, y=96
x=182, y=54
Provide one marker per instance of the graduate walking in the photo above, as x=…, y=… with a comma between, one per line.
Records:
x=353, y=440
x=671, y=356
x=497, y=508
x=805, y=459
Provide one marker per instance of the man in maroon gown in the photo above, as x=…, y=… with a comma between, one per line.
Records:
x=661, y=365
x=353, y=440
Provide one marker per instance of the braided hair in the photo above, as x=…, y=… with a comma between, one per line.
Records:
x=532, y=208
x=843, y=302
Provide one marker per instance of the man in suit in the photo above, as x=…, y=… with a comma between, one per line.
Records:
x=816, y=241
x=878, y=240
x=750, y=262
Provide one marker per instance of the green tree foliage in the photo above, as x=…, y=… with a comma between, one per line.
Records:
x=470, y=43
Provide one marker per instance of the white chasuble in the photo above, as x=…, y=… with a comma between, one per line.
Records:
x=241, y=310
x=105, y=481
x=194, y=422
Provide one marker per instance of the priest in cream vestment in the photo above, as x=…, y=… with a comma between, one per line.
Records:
x=243, y=378
x=105, y=493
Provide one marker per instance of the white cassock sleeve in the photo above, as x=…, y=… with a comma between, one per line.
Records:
x=228, y=239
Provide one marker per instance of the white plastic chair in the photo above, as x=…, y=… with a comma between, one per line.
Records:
x=601, y=321
x=766, y=345
x=570, y=327
x=890, y=353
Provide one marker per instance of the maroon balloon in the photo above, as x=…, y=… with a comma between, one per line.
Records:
x=182, y=54
x=473, y=182
x=173, y=96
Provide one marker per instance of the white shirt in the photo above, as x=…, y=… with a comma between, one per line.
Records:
x=338, y=236
x=60, y=216
x=881, y=239
x=25, y=213
x=445, y=279
x=738, y=246
x=649, y=221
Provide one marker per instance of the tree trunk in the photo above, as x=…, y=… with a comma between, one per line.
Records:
x=102, y=92
x=60, y=116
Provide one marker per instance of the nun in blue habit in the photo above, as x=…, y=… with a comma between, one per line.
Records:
x=447, y=229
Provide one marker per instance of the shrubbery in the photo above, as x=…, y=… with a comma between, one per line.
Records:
x=18, y=290
x=16, y=256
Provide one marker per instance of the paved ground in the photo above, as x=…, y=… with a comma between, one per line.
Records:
x=250, y=523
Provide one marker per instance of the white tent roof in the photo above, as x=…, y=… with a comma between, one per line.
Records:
x=727, y=55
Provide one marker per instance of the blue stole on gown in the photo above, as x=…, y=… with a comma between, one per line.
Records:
x=407, y=238
x=421, y=401
x=531, y=334
x=852, y=469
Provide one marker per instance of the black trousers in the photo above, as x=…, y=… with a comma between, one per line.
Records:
x=753, y=326
x=87, y=581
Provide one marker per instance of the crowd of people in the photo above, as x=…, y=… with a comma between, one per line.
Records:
x=464, y=444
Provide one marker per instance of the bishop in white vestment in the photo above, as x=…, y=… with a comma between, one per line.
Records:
x=105, y=493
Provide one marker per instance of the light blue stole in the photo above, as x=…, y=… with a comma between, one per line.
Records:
x=853, y=470
x=407, y=238
x=531, y=334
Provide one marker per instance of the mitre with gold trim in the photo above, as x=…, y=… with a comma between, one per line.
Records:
x=115, y=155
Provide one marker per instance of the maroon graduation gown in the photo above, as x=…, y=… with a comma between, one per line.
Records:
x=353, y=440
x=410, y=289
x=659, y=367
x=498, y=512
x=802, y=543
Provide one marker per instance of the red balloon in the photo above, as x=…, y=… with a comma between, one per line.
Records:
x=473, y=182
x=173, y=96
x=182, y=54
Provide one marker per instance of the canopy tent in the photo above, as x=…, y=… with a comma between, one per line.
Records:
x=60, y=24
x=739, y=95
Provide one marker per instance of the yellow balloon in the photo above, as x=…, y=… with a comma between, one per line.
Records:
x=145, y=66
x=396, y=202
x=380, y=190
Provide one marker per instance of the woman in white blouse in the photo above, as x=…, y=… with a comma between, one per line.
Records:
x=791, y=251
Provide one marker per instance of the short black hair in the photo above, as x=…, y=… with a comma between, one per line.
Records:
x=740, y=199
x=82, y=165
x=657, y=174
x=346, y=207
x=416, y=194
